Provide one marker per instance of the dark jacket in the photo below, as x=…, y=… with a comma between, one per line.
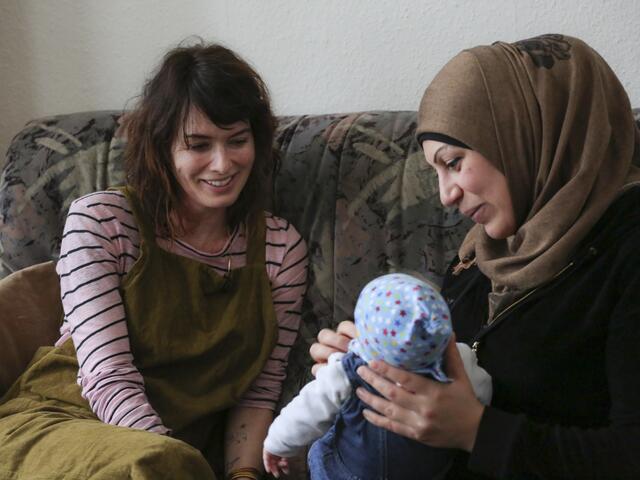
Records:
x=565, y=362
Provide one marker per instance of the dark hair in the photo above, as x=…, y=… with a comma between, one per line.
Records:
x=214, y=80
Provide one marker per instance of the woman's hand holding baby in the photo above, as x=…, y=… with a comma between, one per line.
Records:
x=437, y=414
x=330, y=341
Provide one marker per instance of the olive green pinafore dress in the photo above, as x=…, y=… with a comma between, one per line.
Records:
x=198, y=338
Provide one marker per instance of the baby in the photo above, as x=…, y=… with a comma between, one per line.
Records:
x=405, y=322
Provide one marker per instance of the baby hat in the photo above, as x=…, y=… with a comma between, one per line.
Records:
x=403, y=321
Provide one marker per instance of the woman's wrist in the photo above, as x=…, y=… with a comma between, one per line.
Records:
x=472, y=435
x=244, y=473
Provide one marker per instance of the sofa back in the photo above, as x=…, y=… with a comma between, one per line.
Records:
x=355, y=185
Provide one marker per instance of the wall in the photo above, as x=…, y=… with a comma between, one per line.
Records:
x=316, y=56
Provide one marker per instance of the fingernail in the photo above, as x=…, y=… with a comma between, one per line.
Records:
x=374, y=365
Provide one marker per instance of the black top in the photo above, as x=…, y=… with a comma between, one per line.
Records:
x=565, y=362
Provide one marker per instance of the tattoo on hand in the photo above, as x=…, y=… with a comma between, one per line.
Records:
x=237, y=437
x=230, y=463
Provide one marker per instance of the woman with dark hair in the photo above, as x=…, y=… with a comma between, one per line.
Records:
x=536, y=142
x=181, y=296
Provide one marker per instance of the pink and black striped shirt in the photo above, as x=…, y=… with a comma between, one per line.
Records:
x=100, y=244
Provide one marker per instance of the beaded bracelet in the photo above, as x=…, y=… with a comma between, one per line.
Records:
x=248, y=472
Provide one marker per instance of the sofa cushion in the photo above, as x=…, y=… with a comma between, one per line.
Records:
x=30, y=316
x=51, y=162
x=358, y=189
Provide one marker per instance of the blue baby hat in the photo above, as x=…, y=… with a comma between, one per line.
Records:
x=403, y=321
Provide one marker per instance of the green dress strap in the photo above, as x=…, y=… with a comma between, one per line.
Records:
x=198, y=338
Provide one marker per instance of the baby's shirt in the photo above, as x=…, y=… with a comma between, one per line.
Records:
x=310, y=415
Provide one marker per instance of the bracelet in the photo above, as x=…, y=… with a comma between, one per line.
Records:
x=247, y=472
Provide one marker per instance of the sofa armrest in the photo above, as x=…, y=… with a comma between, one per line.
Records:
x=30, y=316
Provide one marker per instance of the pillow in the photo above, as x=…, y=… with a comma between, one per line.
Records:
x=30, y=316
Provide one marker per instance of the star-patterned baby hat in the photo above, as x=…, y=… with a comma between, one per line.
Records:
x=403, y=321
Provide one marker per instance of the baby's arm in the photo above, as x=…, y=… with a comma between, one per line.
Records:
x=308, y=416
x=480, y=379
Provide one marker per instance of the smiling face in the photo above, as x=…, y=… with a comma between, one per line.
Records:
x=470, y=182
x=212, y=164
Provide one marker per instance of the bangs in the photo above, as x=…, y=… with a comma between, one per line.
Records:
x=222, y=103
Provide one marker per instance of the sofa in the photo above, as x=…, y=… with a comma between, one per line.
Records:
x=355, y=185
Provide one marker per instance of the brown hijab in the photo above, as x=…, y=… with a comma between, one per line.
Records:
x=551, y=115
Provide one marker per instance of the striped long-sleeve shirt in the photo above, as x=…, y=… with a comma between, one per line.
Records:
x=100, y=244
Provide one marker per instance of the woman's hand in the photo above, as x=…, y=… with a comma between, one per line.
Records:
x=437, y=414
x=331, y=342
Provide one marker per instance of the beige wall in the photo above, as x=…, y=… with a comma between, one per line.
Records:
x=317, y=56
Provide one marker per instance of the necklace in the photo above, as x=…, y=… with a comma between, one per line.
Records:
x=227, y=244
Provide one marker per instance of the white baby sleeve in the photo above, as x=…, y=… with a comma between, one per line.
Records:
x=480, y=379
x=309, y=415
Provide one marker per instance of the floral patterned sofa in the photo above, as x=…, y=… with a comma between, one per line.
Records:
x=355, y=185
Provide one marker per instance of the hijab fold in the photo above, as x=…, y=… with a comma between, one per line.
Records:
x=552, y=116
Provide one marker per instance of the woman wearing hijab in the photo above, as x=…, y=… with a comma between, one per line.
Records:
x=536, y=142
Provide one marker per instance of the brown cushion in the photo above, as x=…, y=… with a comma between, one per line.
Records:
x=30, y=316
